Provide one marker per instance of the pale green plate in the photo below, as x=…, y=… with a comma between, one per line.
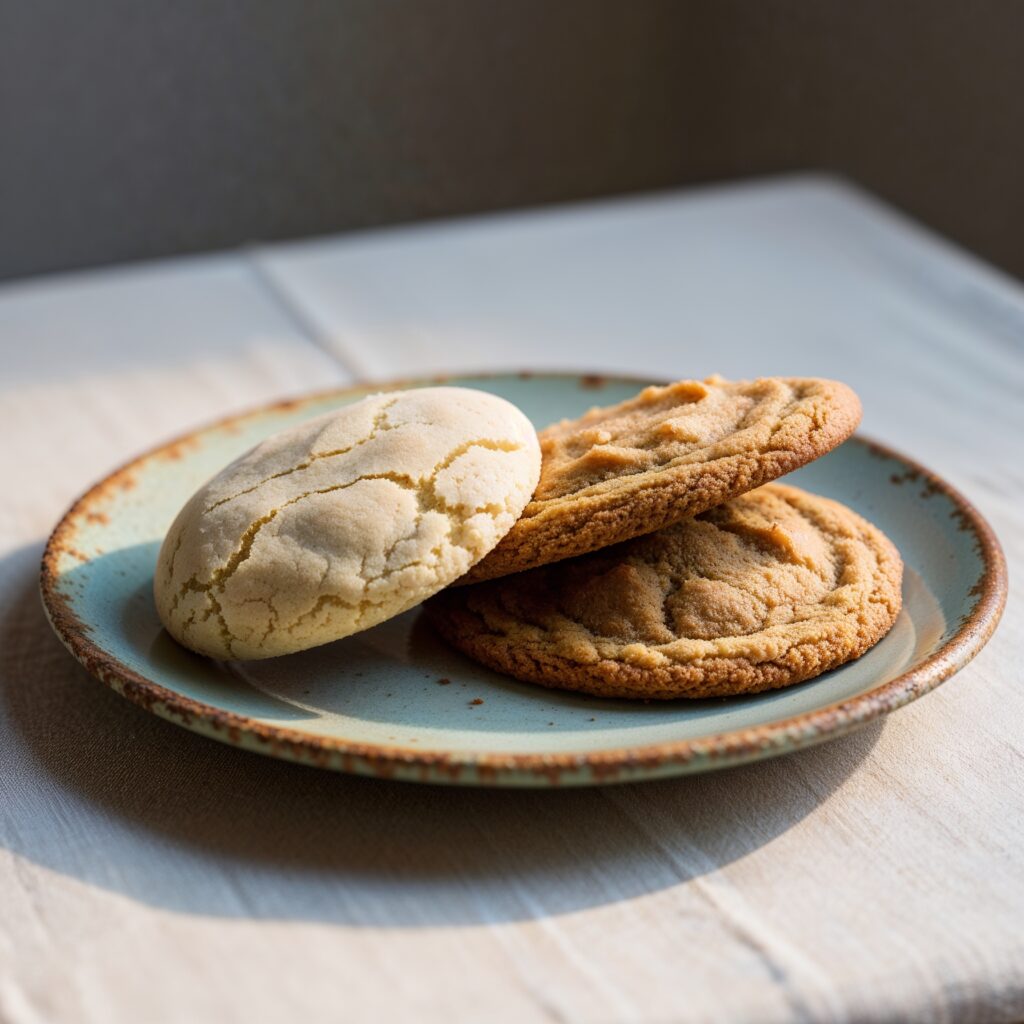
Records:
x=395, y=701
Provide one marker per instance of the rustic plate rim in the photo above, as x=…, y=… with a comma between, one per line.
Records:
x=719, y=749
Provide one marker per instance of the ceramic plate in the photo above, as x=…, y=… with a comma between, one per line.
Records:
x=394, y=701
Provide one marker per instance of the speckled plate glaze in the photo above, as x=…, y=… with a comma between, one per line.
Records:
x=395, y=702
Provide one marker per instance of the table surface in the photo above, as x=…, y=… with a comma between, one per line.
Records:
x=147, y=874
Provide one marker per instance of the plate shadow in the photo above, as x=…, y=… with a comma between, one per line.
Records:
x=97, y=790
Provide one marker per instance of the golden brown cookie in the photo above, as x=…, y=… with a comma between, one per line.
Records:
x=771, y=588
x=665, y=455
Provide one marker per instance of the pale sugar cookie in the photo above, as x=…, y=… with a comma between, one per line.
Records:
x=339, y=523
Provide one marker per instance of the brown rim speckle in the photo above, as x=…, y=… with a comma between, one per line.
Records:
x=618, y=764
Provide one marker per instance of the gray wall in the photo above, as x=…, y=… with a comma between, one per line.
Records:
x=131, y=129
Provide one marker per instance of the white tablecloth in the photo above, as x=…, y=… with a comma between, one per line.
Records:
x=149, y=875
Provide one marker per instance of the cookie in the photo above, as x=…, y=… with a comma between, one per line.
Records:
x=344, y=521
x=665, y=455
x=771, y=588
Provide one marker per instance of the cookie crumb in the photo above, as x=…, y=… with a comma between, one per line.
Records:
x=475, y=701
x=444, y=682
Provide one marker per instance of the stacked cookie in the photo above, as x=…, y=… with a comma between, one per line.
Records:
x=656, y=561
x=639, y=551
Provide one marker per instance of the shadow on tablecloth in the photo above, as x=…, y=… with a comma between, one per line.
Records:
x=97, y=790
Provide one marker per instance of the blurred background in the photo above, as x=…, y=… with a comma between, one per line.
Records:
x=144, y=130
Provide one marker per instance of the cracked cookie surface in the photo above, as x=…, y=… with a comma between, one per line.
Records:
x=773, y=587
x=344, y=521
x=667, y=454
